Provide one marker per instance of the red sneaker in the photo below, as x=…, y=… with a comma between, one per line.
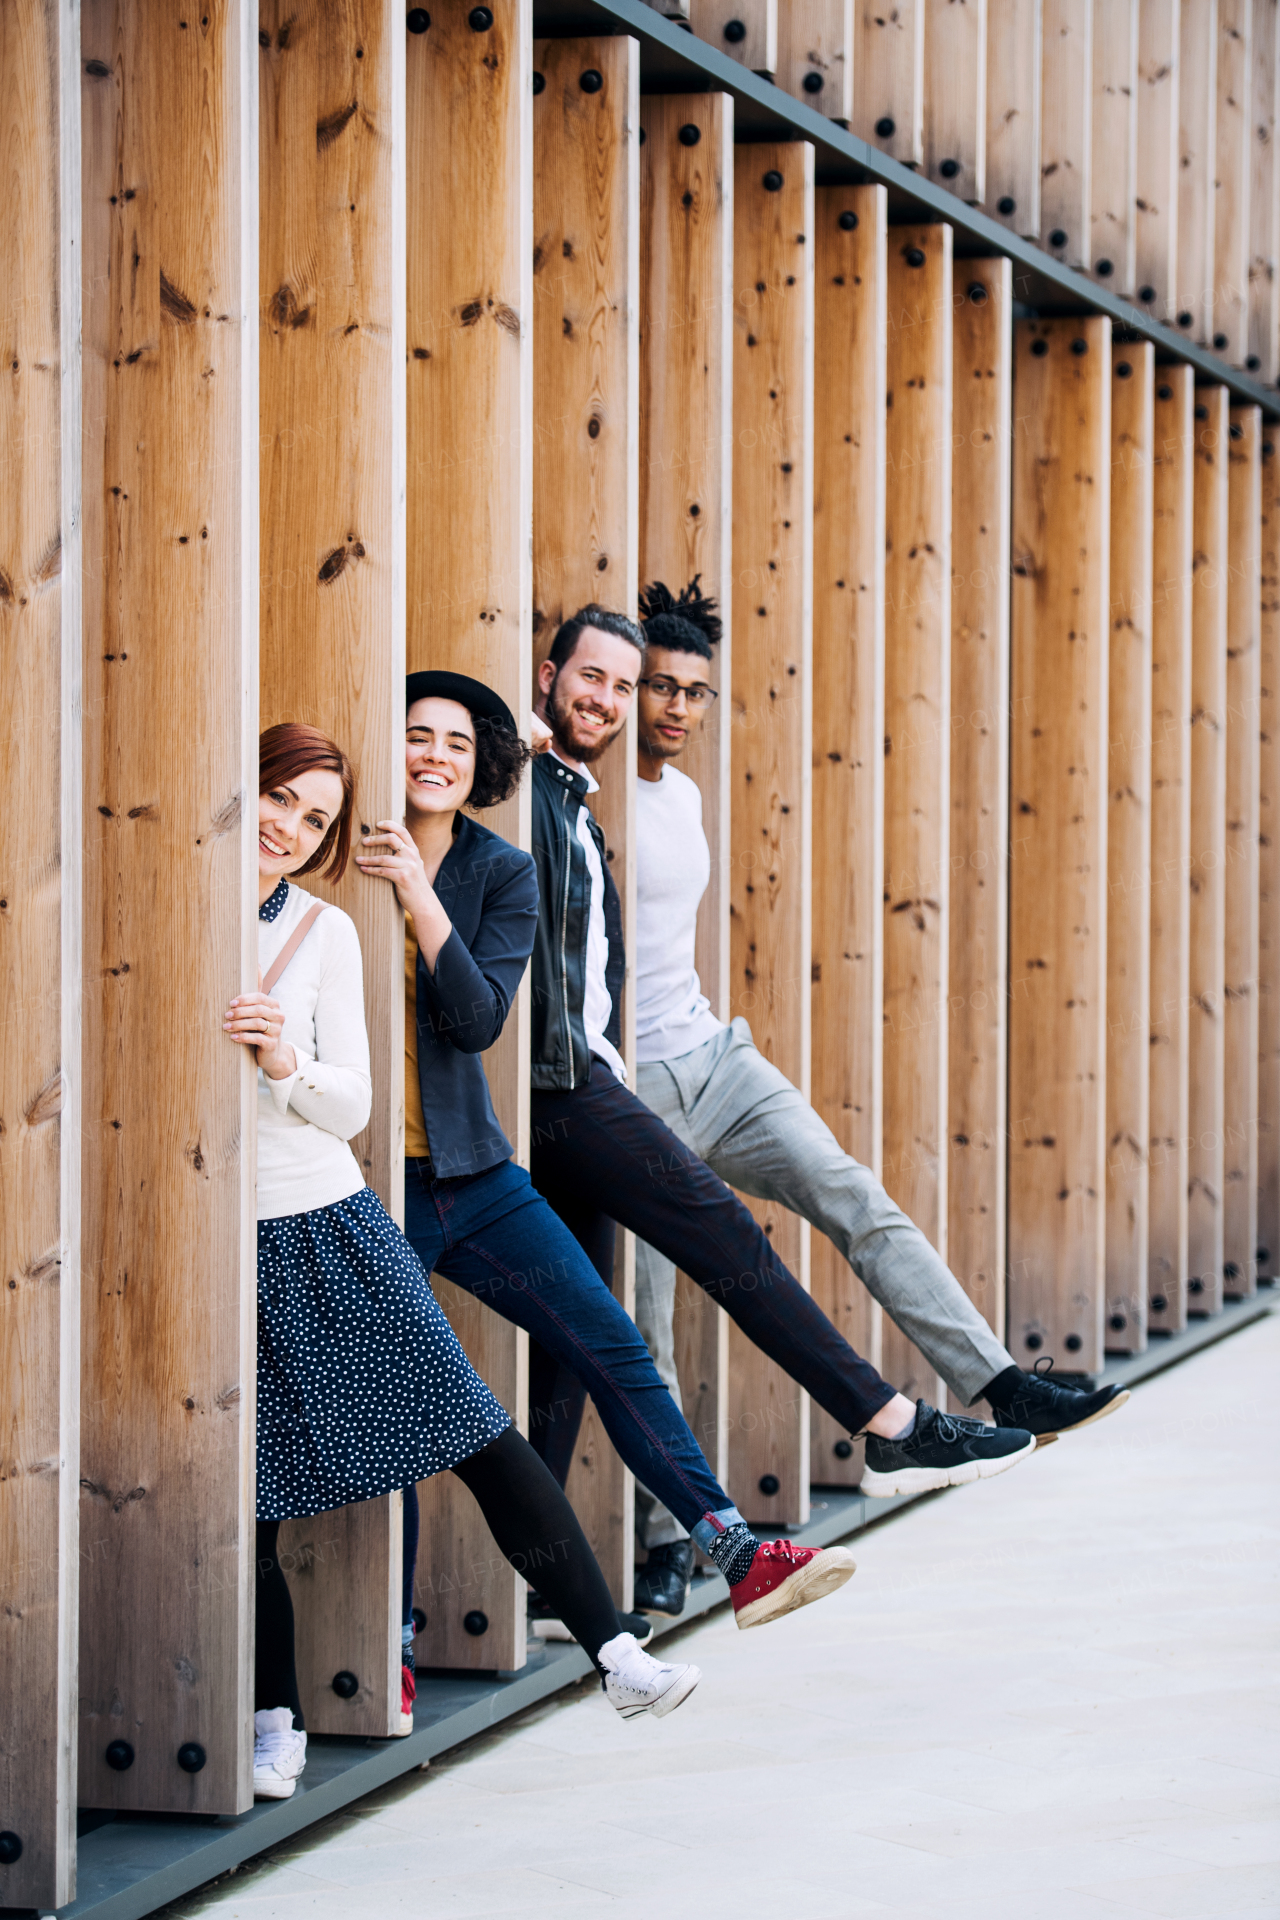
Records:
x=408, y=1694
x=784, y=1576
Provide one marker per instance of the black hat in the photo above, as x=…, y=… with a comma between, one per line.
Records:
x=481, y=702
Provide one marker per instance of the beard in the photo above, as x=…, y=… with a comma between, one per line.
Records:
x=560, y=720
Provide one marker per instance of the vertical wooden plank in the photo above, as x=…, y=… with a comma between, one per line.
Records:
x=1156, y=177
x=1128, y=1100
x=470, y=513
x=1264, y=194
x=1206, y=1055
x=888, y=78
x=747, y=30
x=1057, y=892
x=1269, y=874
x=586, y=478
x=170, y=210
x=955, y=97
x=1013, y=114
x=1240, y=966
x=40, y=929
x=1114, y=136
x=1066, y=150
x=770, y=904
x=1170, y=847
x=1232, y=178
x=1197, y=158
x=978, y=966
x=850, y=347
x=917, y=740
x=815, y=55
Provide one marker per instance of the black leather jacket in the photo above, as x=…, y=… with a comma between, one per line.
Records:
x=560, y=1058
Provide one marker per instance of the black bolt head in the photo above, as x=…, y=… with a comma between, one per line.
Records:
x=643, y=136
x=1039, y=348
x=843, y=1449
x=847, y=221
x=1237, y=433
x=949, y=169
x=1266, y=454
x=1079, y=346
x=1230, y=1271
x=10, y=1848
x=591, y=81
x=1006, y=205
x=772, y=181
x=1035, y=1341
x=769, y=1484
x=1252, y=363
x=419, y=1619
x=1220, y=342
x=1202, y=413
x=735, y=31
x=812, y=83
x=1158, y=1303
x=689, y=135
x=480, y=19
x=475, y=1623
x=1262, y=1255
x=1058, y=238
x=978, y=294
x=539, y=82
x=345, y=1684
x=1164, y=393
x=1146, y=295
x=1195, y=1286
x=192, y=1757
x=1073, y=1343
x=119, y=1756
x=1117, y=1323
x=1185, y=319
x=1124, y=371
x=914, y=256
x=417, y=20
x=1104, y=269
x=886, y=127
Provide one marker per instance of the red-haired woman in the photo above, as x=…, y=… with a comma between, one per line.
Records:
x=362, y=1386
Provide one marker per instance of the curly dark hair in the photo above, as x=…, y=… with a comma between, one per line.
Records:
x=501, y=758
x=685, y=623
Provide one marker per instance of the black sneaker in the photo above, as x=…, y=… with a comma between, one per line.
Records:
x=547, y=1624
x=1049, y=1407
x=662, y=1583
x=942, y=1450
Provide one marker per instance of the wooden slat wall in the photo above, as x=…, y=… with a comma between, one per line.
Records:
x=1197, y=150
x=470, y=516
x=1057, y=893
x=586, y=471
x=1014, y=30
x=851, y=270
x=1156, y=175
x=1263, y=356
x=917, y=730
x=888, y=77
x=1244, y=702
x=1232, y=177
x=1129, y=846
x=1269, y=873
x=771, y=767
x=978, y=986
x=1170, y=847
x=955, y=97
x=686, y=454
x=756, y=46
x=1066, y=98
x=1114, y=149
x=1206, y=1058
x=171, y=594
x=815, y=54
x=40, y=933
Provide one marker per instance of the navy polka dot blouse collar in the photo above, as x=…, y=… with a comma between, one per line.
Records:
x=272, y=909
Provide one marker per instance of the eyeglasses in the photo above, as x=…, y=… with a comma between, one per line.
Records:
x=699, y=696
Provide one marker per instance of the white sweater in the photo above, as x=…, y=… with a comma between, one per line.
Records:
x=673, y=869
x=306, y=1120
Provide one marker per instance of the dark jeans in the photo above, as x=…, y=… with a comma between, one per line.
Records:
x=599, y=1155
x=492, y=1234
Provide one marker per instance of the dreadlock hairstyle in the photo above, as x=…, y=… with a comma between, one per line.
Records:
x=689, y=624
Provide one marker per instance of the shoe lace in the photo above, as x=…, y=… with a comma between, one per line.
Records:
x=274, y=1745
x=784, y=1550
x=1044, y=1367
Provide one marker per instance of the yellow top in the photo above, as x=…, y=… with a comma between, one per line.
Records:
x=416, y=1144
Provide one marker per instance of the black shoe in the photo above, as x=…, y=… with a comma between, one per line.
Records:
x=1048, y=1407
x=942, y=1450
x=662, y=1584
x=546, y=1624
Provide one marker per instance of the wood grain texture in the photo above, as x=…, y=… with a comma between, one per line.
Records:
x=850, y=348
x=1156, y=177
x=1066, y=139
x=978, y=965
x=917, y=737
x=1014, y=31
x=40, y=948
x=1240, y=964
x=586, y=475
x=170, y=212
x=1263, y=357
x=1232, y=179
x=1114, y=135
x=888, y=78
x=1269, y=872
x=758, y=46
x=470, y=520
x=1128, y=1098
x=1206, y=1055
x=955, y=96
x=1197, y=157
x=1058, y=791
x=1172, y=487
x=772, y=749
x=815, y=55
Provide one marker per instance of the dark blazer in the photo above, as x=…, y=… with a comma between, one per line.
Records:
x=561, y=1059
x=489, y=890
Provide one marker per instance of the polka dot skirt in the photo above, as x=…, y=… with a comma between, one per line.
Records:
x=362, y=1385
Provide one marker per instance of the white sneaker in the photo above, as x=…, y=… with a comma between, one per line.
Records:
x=279, y=1754
x=636, y=1683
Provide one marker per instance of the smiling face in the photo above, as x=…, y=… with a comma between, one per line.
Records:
x=439, y=756
x=668, y=721
x=293, y=819
x=587, y=699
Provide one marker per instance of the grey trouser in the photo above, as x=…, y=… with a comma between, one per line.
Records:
x=750, y=1124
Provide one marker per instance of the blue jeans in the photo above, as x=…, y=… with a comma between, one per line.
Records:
x=493, y=1235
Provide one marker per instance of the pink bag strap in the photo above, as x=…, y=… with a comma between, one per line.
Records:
x=291, y=946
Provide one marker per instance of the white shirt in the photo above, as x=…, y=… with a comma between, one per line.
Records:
x=306, y=1120
x=597, y=1001
x=673, y=870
